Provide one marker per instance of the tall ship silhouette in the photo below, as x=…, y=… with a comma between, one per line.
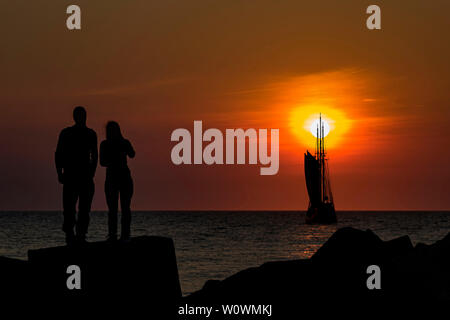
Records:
x=321, y=206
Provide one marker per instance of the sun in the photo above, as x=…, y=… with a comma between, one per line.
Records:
x=315, y=127
x=304, y=121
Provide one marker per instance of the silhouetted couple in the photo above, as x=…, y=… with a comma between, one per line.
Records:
x=76, y=160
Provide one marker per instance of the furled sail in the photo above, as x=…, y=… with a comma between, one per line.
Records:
x=313, y=176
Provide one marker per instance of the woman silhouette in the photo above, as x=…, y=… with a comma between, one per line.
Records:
x=113, y=155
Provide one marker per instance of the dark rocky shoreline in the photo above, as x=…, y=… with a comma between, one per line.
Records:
x=336, y=275
x=143, y=273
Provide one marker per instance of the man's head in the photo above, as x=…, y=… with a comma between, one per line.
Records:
x=79, y=115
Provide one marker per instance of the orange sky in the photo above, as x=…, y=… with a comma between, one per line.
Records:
x=155, y=66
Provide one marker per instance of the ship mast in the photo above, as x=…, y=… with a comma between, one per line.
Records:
x=320, y=156
x=323, y=159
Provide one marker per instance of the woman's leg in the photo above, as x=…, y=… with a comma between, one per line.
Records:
x=126, y=193
x=112, y=199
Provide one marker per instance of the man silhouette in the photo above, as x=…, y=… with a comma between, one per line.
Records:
x=76, y=160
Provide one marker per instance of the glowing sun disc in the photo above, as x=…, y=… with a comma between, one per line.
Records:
x=315, y=126
x=303, y=121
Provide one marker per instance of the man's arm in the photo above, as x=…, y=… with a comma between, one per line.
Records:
x=94, y=154
x=59, y=157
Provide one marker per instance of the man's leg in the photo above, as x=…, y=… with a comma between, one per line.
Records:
x=69, y=203
x=126, y=193
x=112, y=199
x=86, y=193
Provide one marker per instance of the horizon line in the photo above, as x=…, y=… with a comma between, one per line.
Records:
x=244, y=210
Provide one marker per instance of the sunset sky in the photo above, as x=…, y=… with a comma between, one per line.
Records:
x=155, y=66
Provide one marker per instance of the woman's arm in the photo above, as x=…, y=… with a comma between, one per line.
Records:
x=104, y=158
x=130, y=151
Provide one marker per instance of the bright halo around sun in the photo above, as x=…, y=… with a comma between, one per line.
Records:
x=315, y=128
x=304, y=119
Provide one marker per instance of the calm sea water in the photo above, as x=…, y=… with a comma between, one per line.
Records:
x=215, y=245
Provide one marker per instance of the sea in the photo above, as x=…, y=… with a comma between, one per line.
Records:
x=217, y=244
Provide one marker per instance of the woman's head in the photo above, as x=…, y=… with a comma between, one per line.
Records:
x=113, y=131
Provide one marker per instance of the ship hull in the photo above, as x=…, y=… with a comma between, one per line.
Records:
x=322, y=214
